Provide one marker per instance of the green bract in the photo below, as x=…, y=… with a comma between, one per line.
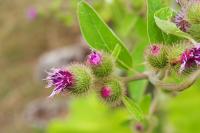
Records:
x=117, y=90
x=83, y=79
x=105, y=68
x=194, y=31
x=158, y=60
x=193, y=13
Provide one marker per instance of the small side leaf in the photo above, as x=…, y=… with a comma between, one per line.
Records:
x=163, y=21
x=133, y=108
x=116, y=51
x=99, y=36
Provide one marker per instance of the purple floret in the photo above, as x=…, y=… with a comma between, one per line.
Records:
x=94, y=58
x=191, y=57
x=155, y=50
x=60, y=79
x=181, y=21
x=106, y=92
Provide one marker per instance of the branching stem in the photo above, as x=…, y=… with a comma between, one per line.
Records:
x=139, y=76
x=180, y=87
x=166, y=86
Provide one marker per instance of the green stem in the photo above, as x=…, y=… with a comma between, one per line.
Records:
x=180, y=87
x=139, y=76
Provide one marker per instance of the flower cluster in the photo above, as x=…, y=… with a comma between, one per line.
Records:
x=78, y=78
x=179, y=57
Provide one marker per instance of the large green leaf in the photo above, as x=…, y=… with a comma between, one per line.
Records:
x=99, y=36
x=116, y=51
x=133, y=108
x=163, y=20
x=137, y=88
x=154, y=33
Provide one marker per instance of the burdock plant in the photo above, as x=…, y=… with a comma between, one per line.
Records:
x=110, y=67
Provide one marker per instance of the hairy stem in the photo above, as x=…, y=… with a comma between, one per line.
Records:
x=152, y=77
x=139, y=76
x=180, y=87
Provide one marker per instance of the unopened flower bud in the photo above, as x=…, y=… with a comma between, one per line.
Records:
x=111, y=91
x=157, y=56
x=101, y=64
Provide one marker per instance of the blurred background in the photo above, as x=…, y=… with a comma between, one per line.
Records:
x=36, y=35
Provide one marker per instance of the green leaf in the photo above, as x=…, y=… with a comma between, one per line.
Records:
x=137, y=88
x=145, y=104
x=99, y=36
x=116, y=51
x=163, y=20
x=154, y=33
x=133, y=108
x=127, y=24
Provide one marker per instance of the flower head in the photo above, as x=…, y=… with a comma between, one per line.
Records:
x=111, y=91
x=191, y=57
x=106, y=92
x=156, y=56
x=31, y=13
x=60, y=79
x=155, y=50
x=181, y=21
x=94, y=58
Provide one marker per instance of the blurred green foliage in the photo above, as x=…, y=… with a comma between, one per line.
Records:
x=183, y=111
x=89, y=115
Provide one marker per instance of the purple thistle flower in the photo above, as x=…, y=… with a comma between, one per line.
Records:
x=155, y=50
x=94, y=58
x=31, y=13
x=60, y=79
x=106, y=92
x=191, y=57
x=181, y=21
